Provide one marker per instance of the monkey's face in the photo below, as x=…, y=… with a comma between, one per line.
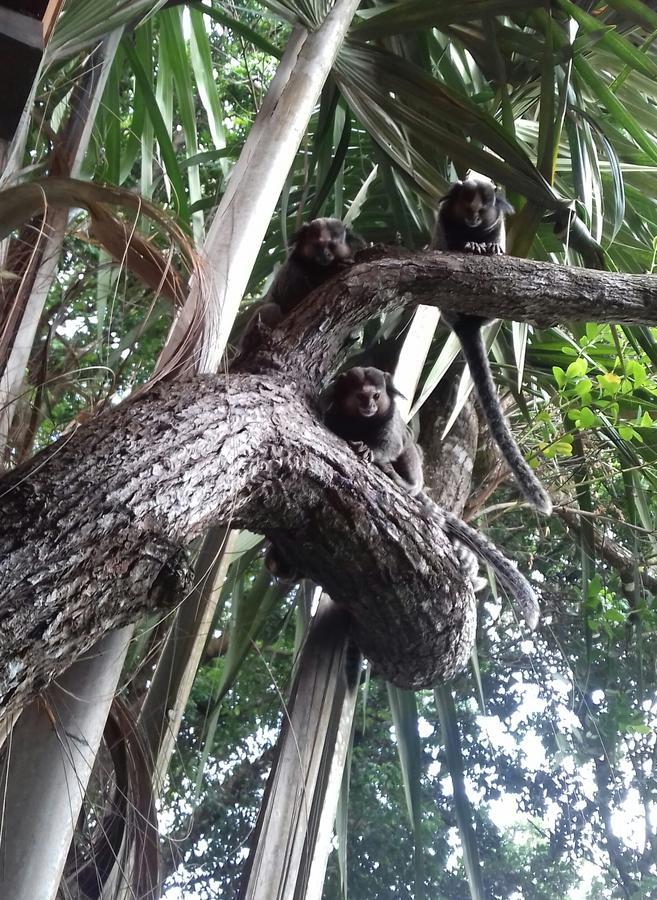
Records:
x=364, y=393
x=323, y=242
x=473, y=203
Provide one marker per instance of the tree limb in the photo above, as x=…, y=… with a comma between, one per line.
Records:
x=496, y=287
x=89, y=526
x=92, y=527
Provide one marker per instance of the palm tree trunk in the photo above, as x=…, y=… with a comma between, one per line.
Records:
x=256, y=182
x=285, y=860
x=50, y=756
x=231, y=249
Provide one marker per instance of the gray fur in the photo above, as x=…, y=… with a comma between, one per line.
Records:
x=362, y=410
x=317, y=251
x=506, y=571
x=385, y=440
x=474, y=350
x=471, y=220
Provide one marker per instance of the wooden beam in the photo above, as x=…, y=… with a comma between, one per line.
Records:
x=25, y=27
x=29, y=21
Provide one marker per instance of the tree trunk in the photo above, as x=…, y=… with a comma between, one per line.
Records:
x=312, y=746
x=99, y=538
x=49, y=761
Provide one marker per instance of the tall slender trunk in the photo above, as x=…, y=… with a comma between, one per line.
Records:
x=285, y=860
x=230, y=251
x=50, y=757
x=256, y=182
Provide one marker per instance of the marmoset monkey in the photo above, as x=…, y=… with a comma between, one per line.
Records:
x=317, y=252
x=471, y=219
x=362, y=409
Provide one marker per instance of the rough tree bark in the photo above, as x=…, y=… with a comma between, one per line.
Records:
x=448, y=461
x=93, y=527
x=104, y=513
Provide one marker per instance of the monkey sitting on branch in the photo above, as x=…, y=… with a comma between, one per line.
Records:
x=471, y=220
x=317, y=251
x=362, y=409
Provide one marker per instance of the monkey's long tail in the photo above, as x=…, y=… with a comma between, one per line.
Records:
x=506, y=571
x=474, y=350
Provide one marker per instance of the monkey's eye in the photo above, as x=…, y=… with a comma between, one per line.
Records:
x=376, y=395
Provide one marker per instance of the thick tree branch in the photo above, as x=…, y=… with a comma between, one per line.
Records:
x=91, y=529
x=88, y=527
x=497, y=287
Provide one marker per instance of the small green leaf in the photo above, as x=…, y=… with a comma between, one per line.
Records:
x=587, y=418
x=583, y=387
x=636, y=371
x=559, y=448
x=559, y=375
x=610, y=383
x=577, y=368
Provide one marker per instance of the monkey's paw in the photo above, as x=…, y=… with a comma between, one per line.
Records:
x=361, y=449
x=474, y=247
x=494, y=249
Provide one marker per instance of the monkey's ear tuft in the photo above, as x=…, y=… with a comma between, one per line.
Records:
x=333, y=389
x=390, y=387
x=354, y=241
x=503, y=205
x=327, y=398
x=453, y=189
x=298, y=235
